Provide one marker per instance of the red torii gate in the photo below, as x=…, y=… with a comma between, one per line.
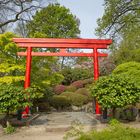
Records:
x=62, y=44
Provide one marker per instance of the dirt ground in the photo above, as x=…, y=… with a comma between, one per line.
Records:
x=54, y=126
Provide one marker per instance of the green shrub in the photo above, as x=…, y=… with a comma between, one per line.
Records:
x=71, y=88
x=115, y=131
x=13, y=97
x=60, y=102
x=88, y=81
x=66, y=93
x=115, y=91
x=85, y=92
x=130, y=69
x=75, y=99
x=59, y=89
x=9, y=129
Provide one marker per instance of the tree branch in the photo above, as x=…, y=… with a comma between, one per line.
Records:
x=16, y=17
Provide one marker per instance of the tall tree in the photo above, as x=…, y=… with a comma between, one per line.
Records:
x=121, y=22
x=54, y=21
x=120, y=16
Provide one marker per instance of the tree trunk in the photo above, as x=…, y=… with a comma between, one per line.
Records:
x=62, y=63
x=113, y=112
x=105, y=113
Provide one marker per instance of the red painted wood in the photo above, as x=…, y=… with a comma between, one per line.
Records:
x=63, y=50
x=96, y=76
x=96, y=70
x=98, y=110
x=63, y=41
x=50, y=45
x=62, y=54
x=27, y=77
x=28, y=68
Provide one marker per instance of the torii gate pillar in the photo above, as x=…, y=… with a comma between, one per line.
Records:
x=96, y=76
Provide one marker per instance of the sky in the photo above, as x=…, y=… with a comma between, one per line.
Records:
x=88, y=11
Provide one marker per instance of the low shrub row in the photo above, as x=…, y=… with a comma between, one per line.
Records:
x=75, y=99
x=85, y=92
x=71, y=98
x=73, y=86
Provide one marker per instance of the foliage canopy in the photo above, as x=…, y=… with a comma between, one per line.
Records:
x=115, y=91
x=11, y=67
x=129, y=69
x=14, y=97
x=54, y=21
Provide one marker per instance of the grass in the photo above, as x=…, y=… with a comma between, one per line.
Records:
x=115, y=131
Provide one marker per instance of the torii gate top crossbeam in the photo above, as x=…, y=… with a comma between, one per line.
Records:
x=63, y=43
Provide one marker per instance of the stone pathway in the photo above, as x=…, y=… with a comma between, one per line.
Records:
x=64, y=118
x=53, y=126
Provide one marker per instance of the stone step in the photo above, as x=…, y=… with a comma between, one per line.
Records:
x=54, y=128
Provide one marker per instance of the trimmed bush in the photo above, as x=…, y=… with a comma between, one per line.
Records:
x=71, y=88
x=75, y=99
x=66, y=93
x=78, y=84
x=85, y=92
x=59, y=89
x=88, y=81
x=60, y=102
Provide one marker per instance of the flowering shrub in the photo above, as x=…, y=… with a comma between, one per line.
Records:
x=78, y=84
x=59, y=89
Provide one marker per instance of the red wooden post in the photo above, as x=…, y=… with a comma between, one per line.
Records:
x=96, y=76
x=27, y=75
x=28, y=67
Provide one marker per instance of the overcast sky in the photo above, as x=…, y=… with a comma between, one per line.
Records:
x=88, y=11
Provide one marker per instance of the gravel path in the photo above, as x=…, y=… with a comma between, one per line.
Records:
x=52, y=126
